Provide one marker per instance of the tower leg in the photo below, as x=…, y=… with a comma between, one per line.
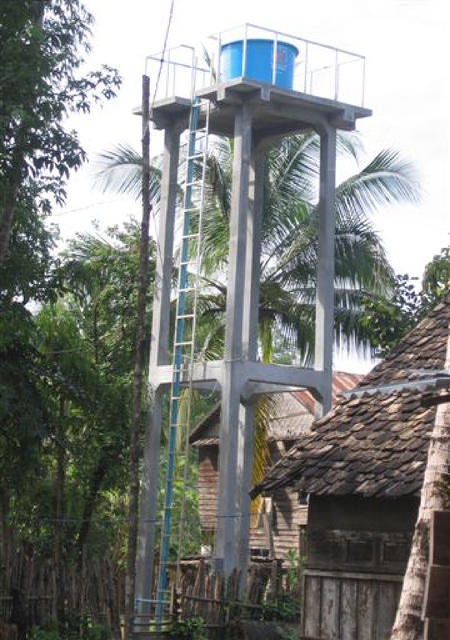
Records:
x=159, y=355
x=250, y=338
x=228, y=506
x=323, y=359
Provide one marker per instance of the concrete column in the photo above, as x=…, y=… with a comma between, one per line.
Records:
x=323, y=359
x=159, y=355
x=250, y=346
x=159, y=348
x=228, y=505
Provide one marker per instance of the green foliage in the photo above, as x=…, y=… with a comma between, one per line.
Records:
x=387, y=320
x=284, y=609
x=37, y=633
x=295, y=564
x=189, y=629
x=77, y=628
x=436, y=279
x=43, y=47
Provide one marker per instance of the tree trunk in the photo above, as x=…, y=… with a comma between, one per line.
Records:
x=6, y=222
x=89, y=504
x=59, y=517
x=135, y=429
x=408, y=623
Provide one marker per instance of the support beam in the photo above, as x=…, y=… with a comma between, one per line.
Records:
x=228, y=506
x=250, y=346
x=323, y=359
x=159, y=355
x=159, y=349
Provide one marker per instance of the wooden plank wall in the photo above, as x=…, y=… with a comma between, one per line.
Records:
x=288, y=514
x=349, y=606
x=208, y=476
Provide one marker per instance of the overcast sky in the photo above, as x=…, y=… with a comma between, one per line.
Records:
x=406, y=46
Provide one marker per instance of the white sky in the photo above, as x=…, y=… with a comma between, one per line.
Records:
x=406, y=46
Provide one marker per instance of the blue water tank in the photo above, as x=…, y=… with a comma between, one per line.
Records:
x=259, y=61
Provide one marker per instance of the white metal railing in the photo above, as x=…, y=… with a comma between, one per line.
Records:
x=320, y=69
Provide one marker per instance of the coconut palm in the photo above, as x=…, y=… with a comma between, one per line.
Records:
x=289, y=236
x=289, y=245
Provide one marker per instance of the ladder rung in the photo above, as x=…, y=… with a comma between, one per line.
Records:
x=194, y=183
x=185, y=263
x=188, y=236
x=184, y=342
x=196, y=155
x=191, y=210
x=185, y=316
x=184, y=289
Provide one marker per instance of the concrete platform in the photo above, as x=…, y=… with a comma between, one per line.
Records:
x=277, y=111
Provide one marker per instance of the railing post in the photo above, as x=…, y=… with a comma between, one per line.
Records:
x=244, y=52
x=336, y=74
x=306, y=68
x=274, y=64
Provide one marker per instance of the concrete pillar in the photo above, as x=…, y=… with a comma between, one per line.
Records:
x=159, y=348
x=228, y=505
x=250, y=346
x=159, y=355
x=323, y=358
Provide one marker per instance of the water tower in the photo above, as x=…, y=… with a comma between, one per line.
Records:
x=265, y=85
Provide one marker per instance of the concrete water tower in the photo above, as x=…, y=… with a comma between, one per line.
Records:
x=267, y=85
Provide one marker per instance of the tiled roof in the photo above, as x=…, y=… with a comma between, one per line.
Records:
x=292, y=411
x=372, y=445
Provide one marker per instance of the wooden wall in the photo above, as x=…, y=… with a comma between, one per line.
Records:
x=349, y=606
x=208, y=476
x=357, y=550
x=286, y=518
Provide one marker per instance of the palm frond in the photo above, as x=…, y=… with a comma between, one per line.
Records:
x=387, y=179
x=119, y=170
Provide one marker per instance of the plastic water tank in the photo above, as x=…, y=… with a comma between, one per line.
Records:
x=259, y=61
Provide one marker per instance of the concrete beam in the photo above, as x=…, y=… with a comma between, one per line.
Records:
x=209, y=371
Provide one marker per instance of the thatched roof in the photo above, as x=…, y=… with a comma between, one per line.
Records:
x=374, y=445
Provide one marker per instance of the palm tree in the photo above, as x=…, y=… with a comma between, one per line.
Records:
x=289, y=237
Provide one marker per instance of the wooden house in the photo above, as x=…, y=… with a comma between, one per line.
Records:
x=362, y=468
x=275, y=529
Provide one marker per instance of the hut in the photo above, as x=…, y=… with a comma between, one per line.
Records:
x=362, y=467
x=275, y=528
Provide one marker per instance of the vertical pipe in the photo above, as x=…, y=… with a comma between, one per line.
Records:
x=274, y=63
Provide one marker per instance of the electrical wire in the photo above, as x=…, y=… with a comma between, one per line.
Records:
x=166, y=38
